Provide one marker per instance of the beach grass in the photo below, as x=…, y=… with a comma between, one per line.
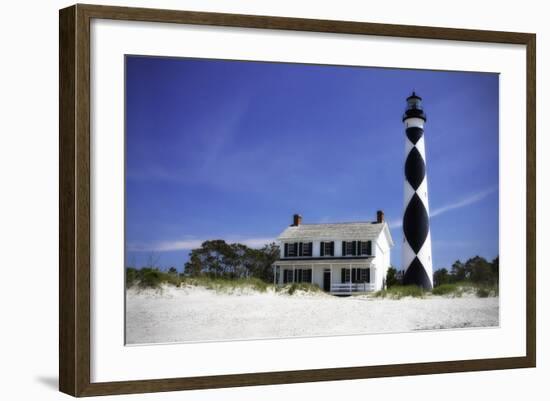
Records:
x=465, y=287
x=401, y=291
x=295, y=288
x=226, y=285
x=453, y=290
x=156, y=279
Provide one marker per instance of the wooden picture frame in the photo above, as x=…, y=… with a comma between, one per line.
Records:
x=74, y=200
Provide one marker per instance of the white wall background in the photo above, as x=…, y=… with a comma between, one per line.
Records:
x=29, y=185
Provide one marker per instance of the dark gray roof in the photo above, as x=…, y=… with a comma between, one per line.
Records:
x=357, y=230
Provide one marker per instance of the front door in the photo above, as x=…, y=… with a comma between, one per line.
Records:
x=326, y=280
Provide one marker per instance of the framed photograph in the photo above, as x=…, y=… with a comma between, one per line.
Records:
x=250, y=200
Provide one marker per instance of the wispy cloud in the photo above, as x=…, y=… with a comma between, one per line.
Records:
x=188, y=244
x=474, y=198
x=469, y=200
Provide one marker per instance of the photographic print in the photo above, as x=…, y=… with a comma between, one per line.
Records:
x=272, y=200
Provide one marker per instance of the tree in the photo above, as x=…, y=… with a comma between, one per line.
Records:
x=479, y=270
x=172, y=270
x=217, y=258
x=458, y=272
x=441, y=276
x=391, y=277
x=262, y=261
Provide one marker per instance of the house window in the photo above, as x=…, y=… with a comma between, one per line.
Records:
x=294, y=249
x=288, y=276
x=360, y=275
x=356, y=275
x=350, y=248
x=365, y=275
x=306, y=248
x=297, y=276
x=327, y=248
x=356, y=248
x=302, y=276
x=345, y=275
x=365, y=248
x=291, y=249
x=306, y=276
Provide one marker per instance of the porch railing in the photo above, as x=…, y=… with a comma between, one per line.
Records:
x=348, y=288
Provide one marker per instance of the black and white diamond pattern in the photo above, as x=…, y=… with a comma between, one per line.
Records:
x=417, y=244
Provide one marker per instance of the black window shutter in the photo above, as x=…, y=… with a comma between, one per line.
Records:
x=343, y=248
x=286, y=251
x=310, y=253
x=368, y=275
x=354, y=248
x=322, y=249
x=343, y=280
x=332, y=248
x=300, y=249
x=369, y=248
x=359, y=247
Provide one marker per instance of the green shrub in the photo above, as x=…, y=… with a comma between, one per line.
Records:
x=131, y=276
x=483, y=292
x=448, y=289
x=400, y=291
x=150, y=278
x=171, y=278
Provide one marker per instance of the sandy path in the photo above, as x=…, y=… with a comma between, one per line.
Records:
x=196, y=314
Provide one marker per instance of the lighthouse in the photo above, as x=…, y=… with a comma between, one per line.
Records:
x=417, y=244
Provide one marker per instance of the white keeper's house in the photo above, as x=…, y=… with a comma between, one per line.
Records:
x=340, y=258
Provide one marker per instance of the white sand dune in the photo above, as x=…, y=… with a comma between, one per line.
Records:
x=198, y=314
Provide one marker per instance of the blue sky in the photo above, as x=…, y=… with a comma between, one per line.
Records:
x=230, y=149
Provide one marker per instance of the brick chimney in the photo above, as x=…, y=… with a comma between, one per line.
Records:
x=379, y=216
x=296, y=220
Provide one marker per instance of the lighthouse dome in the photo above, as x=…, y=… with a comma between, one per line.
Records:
x=414, y=108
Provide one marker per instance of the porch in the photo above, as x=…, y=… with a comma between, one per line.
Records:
x=335, y=278
x=348, y=288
